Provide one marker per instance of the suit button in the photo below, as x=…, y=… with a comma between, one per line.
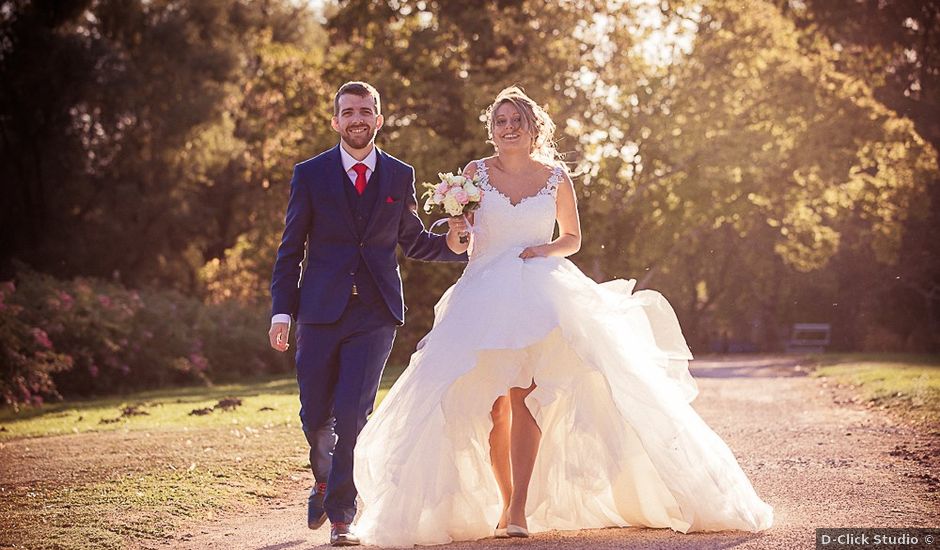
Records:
x=353, y=273
x=361, y=245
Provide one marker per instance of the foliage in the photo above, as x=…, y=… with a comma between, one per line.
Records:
x=125, y=131
x=88, y=336
x=750, y=162
x=760, y=163
x=27, y=356
x=893, y=46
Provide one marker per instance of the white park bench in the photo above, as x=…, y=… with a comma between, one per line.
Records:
x=809, y=338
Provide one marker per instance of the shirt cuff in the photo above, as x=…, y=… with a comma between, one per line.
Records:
x=281, y=318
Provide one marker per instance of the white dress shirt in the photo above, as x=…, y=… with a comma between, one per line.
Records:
x=348, y=163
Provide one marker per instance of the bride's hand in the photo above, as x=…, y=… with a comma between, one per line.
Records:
x=457, y=224
x=534, y=252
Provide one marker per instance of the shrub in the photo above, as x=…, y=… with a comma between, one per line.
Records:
x=27, y=355
x=89, y=336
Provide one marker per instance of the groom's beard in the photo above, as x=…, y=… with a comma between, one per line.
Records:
x=358, y=141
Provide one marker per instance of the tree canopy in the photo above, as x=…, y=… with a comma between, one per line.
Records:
x=759, y=162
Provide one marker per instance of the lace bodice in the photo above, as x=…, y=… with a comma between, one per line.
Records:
x=500, y=225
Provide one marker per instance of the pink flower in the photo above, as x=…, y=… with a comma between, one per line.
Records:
x=441, y=188
x=93, y=370
x=104, y=301
x=125, y=369
x=199, y=362
x=66, y=300
x=462, y=197
x=42, y=338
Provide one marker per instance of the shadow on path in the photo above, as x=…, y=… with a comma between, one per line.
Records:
x=736, y=366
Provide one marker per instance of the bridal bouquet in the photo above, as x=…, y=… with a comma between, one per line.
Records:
x=455, y=195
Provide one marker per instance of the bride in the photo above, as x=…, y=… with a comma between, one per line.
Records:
x=540, y=399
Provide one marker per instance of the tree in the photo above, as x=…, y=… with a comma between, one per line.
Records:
x=894, y=46
x=119, y=132
x=747, y=148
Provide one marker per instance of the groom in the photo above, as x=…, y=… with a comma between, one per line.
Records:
x=349, y=208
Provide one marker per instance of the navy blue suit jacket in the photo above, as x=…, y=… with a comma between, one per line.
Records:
x=320, y=227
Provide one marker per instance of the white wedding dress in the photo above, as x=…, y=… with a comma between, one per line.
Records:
x=621, y=446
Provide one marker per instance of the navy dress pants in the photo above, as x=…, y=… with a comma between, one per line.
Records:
x=339, y=367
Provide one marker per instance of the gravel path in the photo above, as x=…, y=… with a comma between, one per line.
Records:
x=818, y=458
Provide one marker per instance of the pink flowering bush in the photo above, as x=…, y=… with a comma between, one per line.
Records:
x=28, y=357
x=87, y=336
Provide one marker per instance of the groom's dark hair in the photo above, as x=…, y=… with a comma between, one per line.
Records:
x=361, y=89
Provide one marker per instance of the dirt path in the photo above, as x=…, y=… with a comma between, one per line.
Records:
x=819, y=460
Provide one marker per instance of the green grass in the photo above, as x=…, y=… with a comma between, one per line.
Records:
x=908, y=385
x=270, y=401
x=158, y=470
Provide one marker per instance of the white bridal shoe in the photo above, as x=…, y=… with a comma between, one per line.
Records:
x=516, y=531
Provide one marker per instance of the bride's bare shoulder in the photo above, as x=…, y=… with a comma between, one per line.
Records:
x=471, y=168
x=555, y=169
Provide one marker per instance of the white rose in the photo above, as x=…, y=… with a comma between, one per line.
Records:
x=458, y=180
x=472, y=190
x=452, y=206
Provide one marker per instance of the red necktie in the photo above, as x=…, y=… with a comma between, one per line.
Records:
x=360, y=169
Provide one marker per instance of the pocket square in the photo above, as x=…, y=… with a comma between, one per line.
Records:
x=390, y=200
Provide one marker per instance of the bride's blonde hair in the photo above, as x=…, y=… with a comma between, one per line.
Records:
x=537, y=122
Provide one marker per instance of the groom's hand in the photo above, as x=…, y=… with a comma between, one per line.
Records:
x=278, y=336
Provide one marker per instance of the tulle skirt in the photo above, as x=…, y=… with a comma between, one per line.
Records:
x=620, y=446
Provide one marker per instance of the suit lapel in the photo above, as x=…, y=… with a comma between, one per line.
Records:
x=337, y=178
x=384, y=169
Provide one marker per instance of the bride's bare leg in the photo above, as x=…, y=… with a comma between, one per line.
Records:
x=525, y=435
x=499, y=452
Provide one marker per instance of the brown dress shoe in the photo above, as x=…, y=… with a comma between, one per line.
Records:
x=341, y=536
